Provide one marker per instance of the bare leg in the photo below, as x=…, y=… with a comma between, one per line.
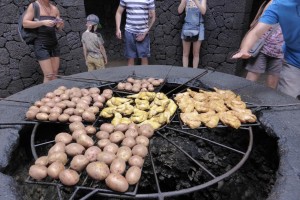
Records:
x=186, y=52
x=196, y=52
x=46, y=67
x=144, y=61
x=272, y=81
x=130, y=62
x=252, y=76
x=55, y=66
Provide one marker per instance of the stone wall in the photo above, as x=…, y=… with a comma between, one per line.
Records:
x=225, y=22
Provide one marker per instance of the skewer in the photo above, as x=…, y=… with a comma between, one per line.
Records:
x=168, y=73
x=82, y=79
x=3, y=99
x=16, y=123
x=196, y=77
x=282, y=105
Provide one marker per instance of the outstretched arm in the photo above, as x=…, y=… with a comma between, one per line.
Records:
x=250, y=39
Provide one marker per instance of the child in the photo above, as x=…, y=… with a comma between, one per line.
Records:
x=93, y=49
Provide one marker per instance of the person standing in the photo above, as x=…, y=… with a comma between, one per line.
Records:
x=287, y=14
x=93, y=49
x=140, y=17
x=46, y=47
x=269, y=59
x=193, y=29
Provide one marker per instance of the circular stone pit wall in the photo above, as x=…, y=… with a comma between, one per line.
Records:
x=282, y=123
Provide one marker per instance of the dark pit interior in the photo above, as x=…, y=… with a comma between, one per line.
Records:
x=174, y=170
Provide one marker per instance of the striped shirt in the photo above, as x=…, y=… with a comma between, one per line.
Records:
x=137, y=14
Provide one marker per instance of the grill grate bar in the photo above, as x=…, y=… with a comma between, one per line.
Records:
x=208, y=140
x=44, y=143
x=188, y=155
x=154, y=173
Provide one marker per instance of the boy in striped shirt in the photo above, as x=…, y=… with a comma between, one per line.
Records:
x=140, y=16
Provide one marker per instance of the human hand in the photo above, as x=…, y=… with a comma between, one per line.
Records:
x=241, y=54
x=105, y=61
x=140, y=37
x=49, y=23
x=119, y=34
x=59, y=23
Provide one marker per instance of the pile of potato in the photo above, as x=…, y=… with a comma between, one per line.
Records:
x=139, y=85
x=114, y=154
x=69, y=105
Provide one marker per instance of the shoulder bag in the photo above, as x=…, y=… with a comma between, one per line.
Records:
x=28, y=35
x=254, y=51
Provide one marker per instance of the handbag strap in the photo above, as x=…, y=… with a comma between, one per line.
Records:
x=258, y=14
x=36, y=8
x=274, y=28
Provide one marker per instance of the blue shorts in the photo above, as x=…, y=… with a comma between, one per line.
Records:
x=135, y=49
x=42, y=52
x=201, y=32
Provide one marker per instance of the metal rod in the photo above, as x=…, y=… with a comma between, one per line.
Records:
x=196, y=77
x=17, y=123
x=167, y=75
x=32, y=139
x=282, y=105
x=208, y=140
x=59, y=192
x=44, y=143
x=12, y=100
x=83, y=79
x=154, y=171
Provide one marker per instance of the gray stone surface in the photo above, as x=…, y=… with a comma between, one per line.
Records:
x=225, y=23
x=8, y=142
x=8, y=188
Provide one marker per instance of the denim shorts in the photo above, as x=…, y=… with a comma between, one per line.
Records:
x=43, y=52
x=201, y=32
x=136, y=49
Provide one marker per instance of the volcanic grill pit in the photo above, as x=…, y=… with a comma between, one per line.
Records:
x=174, y=170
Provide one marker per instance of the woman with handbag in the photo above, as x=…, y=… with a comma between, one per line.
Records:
x=269, y=58
x=193, y=29
x=46, y=46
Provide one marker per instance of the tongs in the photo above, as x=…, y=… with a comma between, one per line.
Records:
x=12, y=100
x=257, y=108
x=83, y=79
x=196, y=77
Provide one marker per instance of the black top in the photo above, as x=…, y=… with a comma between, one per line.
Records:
x=46, y=35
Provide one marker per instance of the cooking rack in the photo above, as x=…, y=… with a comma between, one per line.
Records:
x=88, y=188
